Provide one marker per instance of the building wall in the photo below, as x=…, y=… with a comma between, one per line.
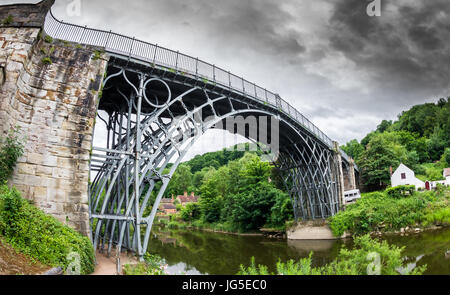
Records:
x=55, y=107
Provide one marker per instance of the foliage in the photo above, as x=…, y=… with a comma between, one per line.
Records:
x=97, y=55
x=48, y=39
x=191, y=211
x=378, y=211
x=41, y=236
x=46, y=60
x=353, y=148
x=380, y=154
x=359, y=261
x=237, y=196
x=181, y=180
x=400, y=191
x=11, y=148
x=441, y=216
x=446, y=157
x=152, y=265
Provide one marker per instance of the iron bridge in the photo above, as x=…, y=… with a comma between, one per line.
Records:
x=159, y=103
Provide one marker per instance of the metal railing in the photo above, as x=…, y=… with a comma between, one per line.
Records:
x=159, y=56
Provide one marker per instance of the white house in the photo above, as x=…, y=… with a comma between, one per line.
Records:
x=446, y=174
x=405, y=176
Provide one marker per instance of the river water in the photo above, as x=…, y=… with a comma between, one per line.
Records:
x=201, y=252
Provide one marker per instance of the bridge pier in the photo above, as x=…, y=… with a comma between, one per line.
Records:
x=340, y=176
x=50, y=90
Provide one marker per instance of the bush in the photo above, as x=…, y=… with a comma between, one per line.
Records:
x=11, y=148
x=401, y=191
x=376, y=211
x=190, y=212
x=152, y=265
x=361, y=260
x=41, y=236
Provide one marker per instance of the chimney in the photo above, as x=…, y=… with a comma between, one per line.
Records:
x=390, y=170
x=185, y=193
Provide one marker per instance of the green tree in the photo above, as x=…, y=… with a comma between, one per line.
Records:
x=353, y=148
x=380, y=154
x=384, y=125
x=181, y=180
x=446, y=157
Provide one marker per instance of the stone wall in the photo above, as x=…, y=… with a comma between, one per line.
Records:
x=50, y=90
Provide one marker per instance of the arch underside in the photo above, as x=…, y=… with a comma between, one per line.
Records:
x=154, y=119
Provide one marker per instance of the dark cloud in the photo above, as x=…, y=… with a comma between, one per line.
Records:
x=405, y=49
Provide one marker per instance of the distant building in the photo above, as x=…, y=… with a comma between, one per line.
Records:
x=429, y=185
x=446, y=175
x=351, y=196
x=167, y=208
x=167, y=200
x=405, y=176
x=183, y=200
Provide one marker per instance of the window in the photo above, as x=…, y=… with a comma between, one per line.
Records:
x=403, y=175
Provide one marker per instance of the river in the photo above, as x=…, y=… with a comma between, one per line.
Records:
x=201, y=252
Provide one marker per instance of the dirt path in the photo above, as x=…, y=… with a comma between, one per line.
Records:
x=107, y=265
x=13, y=263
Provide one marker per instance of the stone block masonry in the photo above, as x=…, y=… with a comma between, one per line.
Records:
x=50, y=90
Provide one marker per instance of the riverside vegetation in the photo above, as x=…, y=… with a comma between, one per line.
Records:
x=393, y=210
x=29, y=230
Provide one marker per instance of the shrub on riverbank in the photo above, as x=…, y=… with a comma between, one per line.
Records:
x=152, y=265
x=40, y=236
x=380, y=212
x=369, y=257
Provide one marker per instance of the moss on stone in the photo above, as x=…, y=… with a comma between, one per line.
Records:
x=8, y=20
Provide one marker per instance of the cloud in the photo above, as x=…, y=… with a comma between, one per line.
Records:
x=403, y=50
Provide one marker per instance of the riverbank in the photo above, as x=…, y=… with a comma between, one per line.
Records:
x=380, y=213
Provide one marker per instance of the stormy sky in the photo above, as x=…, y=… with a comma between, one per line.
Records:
x=344, y=70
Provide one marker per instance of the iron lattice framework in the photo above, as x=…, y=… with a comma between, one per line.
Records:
x=158, y=103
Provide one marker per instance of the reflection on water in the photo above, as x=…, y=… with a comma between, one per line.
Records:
x=198, y=252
